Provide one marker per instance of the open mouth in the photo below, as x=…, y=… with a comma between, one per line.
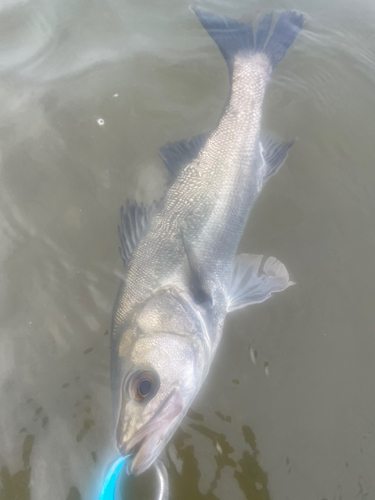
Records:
x=144, y=452
x=146, y=444
x=127, y=450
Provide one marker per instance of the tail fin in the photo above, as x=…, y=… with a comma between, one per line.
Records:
x=233, y=37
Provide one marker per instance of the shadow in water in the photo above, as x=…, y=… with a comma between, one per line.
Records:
x=16, y=486
x=252, y=480
x=74, y=494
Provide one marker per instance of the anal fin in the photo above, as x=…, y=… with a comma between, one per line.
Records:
x=273, y=153
x=252, y=283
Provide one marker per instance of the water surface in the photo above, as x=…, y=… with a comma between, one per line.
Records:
x=88, y=93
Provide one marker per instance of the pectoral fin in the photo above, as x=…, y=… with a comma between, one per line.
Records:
x=251, y=282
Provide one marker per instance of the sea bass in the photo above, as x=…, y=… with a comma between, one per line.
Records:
x=182, y=275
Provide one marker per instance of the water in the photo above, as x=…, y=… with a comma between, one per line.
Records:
x=88, y=93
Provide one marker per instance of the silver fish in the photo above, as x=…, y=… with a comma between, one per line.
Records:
x=182, y=275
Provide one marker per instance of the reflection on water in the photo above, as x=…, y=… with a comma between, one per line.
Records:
x=88, y=93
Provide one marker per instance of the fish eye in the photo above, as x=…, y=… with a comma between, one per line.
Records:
x=143, y=385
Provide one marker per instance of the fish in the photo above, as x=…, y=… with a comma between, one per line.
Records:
x=182, y=274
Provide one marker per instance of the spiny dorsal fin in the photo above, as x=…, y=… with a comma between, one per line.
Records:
x=177, y=155
x=134, y=220
x=274, y=153
x=251, y=282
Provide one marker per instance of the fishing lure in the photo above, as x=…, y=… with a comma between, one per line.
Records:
x=109, y=486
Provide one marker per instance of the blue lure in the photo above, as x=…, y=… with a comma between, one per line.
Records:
x=109, y=487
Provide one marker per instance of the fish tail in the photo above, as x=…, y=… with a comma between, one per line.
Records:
x=234, y=38
x=285, y=32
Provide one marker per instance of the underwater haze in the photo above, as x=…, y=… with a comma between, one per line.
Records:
x=89, y=92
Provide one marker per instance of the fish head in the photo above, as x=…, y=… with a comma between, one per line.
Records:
x=160, y=375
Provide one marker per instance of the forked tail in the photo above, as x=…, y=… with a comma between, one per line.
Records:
x=234, y=38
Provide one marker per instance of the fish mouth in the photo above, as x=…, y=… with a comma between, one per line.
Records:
x=147, y=443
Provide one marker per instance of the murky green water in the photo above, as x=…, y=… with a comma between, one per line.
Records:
x=88, y=93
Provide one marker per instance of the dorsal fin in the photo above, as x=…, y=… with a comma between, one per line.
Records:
x=177, y=155
x=134, y=221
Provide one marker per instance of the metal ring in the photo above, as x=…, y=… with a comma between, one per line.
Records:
x=109, y=487
x=162, y=474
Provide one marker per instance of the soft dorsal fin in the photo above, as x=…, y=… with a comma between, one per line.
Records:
x=251, y=282
x=177, y=155
x=134, y=221
x=273, y=154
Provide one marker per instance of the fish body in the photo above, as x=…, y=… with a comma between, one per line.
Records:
x=182, y=275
